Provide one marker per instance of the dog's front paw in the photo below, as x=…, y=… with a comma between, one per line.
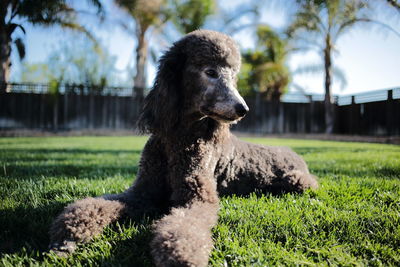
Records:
x=64, y=248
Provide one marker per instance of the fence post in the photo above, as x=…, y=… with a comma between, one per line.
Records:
x=258, y=113
x=280, y=117
x=91, y=108
x=117, y=112
x=389, y=113
x=65, y=115
x=55, y=114
x=272, y=120
x=352, y=115
x=104, y=111
x=41, y=112
x=310, y=118
x=114, y=111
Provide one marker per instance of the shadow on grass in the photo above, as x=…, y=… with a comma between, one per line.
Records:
x=19, y=172
x=26, y=227
x=329, y=149
x=344, y=163
x=355, y=169
x=134, y=251
x=25, y=230
x=388, y=172
x=73, y=151
x=36, y=164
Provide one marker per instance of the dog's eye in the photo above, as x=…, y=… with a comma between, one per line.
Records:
x=212, y=73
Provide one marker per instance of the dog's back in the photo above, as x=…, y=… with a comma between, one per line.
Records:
x=245, y=167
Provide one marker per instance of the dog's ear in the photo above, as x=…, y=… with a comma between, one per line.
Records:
x=163, y=105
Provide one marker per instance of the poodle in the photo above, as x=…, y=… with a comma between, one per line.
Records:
x=190, y=160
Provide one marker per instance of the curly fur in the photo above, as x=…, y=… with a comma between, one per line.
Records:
x=191, y=158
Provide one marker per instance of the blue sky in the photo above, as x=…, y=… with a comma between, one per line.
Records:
x=370, y=59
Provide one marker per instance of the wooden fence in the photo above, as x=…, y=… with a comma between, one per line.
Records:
x=363, y=114
x=271, y=117
x=67, y=112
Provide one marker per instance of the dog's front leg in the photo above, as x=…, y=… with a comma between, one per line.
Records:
x=84, y=219
x=183, y=237
x=81, y=221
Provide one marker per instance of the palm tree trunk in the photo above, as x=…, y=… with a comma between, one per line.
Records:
x=329, y=116
x=141, y=60
x=5, y=59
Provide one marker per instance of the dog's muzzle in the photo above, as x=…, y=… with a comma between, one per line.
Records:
x=241, y=110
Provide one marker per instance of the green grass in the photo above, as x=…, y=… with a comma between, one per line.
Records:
x=352, y=220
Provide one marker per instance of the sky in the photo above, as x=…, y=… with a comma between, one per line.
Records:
x=369, y=58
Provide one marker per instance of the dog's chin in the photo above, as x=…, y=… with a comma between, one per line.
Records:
x=220, y=117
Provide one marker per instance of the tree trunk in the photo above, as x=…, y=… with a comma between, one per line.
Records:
x=329, y=116
x=5, y=59
x=141, y=60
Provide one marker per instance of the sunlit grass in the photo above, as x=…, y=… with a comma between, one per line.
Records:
x=353, y=219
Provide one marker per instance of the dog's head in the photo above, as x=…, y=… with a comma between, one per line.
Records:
x=196, y=79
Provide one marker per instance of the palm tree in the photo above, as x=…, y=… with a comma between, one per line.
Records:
x=264, y=72
x=145, y=13
x=266, y=65
x=186, y=16
x=15, y=13
x=319, y=24
x=190, y=15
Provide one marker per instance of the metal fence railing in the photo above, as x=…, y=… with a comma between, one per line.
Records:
x=290, y=97
x=341, y=100
x=368, y=97
x=80, y=89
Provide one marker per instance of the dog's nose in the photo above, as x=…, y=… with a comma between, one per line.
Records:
x=241, y=110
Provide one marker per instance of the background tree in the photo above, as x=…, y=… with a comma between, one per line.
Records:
x=264, y=72
x=264, y=69
x=82, y=63
x=15, y=13
x=146, y=14
x=190, y=15
x=319, y=24
x=186, y=15
x=243, y=16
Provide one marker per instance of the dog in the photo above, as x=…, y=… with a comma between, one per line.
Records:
x=191, y=158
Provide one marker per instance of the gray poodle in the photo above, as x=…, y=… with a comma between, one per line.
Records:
x=190, y=160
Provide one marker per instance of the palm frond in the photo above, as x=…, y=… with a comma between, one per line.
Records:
x=191, y=14
x=394, y=3
x=13, y=26
x=230, y=17
x=97, y=4
x=128, y=5
x=383, y=25
x=236, y=29
x=307, y=19
x=14, y=6
x=302, y=90
x=340, y=76
x=318, y=69
x=234, y=16
x=19, y=43
x=77, y=27
x=309, y=69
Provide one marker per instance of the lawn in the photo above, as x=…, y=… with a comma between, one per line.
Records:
x=353, y=219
